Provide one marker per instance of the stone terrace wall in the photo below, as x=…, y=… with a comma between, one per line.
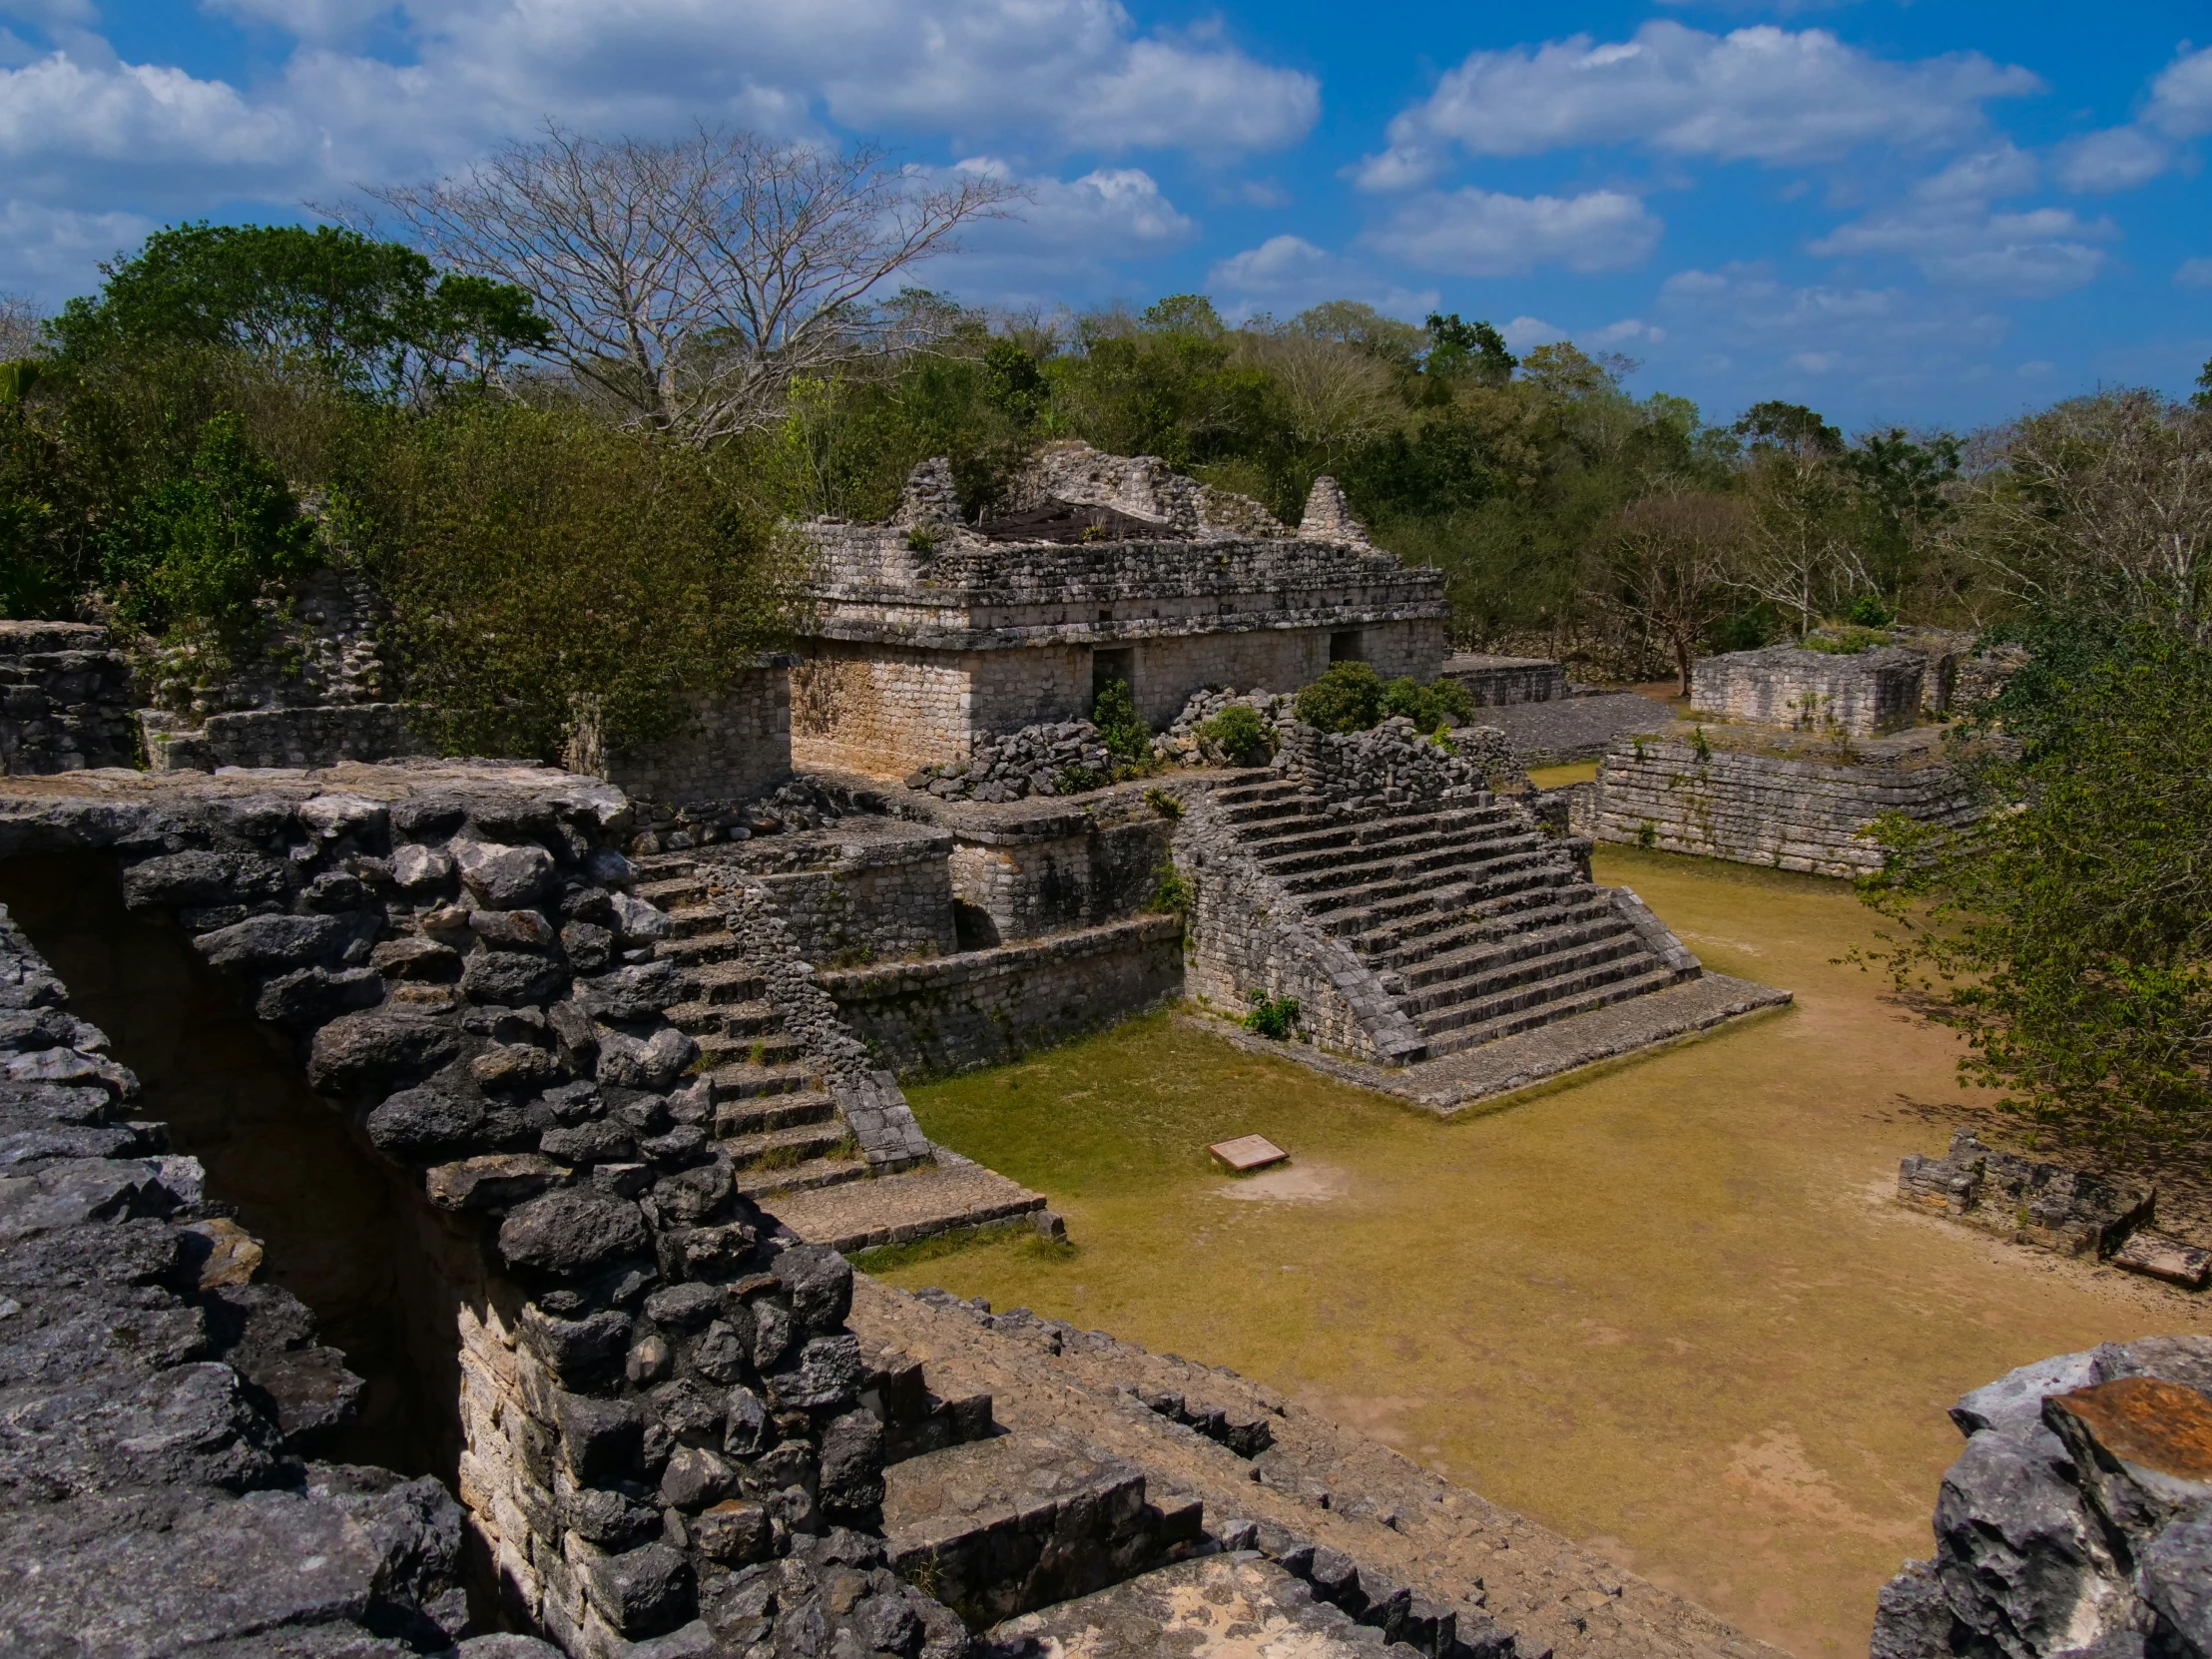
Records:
x=987, y=1008
x=865, y=891
x=1865, y=694
x=318, y=736
x=157, y=1490
x=882, y=709
x=65, y=700
x=656, y=1390
x=1758, y=808
x=1499, y=682
x=727, y=746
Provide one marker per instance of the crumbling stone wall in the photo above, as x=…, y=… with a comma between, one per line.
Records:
x=987, y=1008
x=160, y=1482
x=1861, y=695
x=65, y=700
x=2078, y=1519
x=1801, y=814
x=867, y=890
x=658, y=1389
x=1500, y=682
x=1017, y=885
x=725, y=748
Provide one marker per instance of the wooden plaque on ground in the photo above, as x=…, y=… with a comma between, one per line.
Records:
x=1247, y=1152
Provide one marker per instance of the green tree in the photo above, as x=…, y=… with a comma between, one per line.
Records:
x=373, y=316
x=1471, y=351
x=2068, y=931
x=199, y=550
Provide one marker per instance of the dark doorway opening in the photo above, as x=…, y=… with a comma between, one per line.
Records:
x=1346, y=646
x=344, y=1232
x=1109, y=666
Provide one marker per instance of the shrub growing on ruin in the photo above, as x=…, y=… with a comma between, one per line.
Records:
x=1351, y=697
x=1120, y=727
x=2068, y=931
x=1273, y=1017
x=534, y=557
x=1239, y=734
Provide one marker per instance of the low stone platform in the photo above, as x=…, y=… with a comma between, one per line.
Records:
x=1236, y=1606
x=1546, y=1057
x=1496, y=682
x=1317, y=1497
x=898, y=1209
x=1575, y=727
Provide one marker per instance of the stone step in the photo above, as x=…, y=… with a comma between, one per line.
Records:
x=1479, y=944
x=1417, y=881
x=943, y=1197
x=670, y=892
x=783, y=1149
x=743, y=1080
x=700, y=1019
x=1479, y=978
x=1356, y=866
x=692, y=920
x=699, y=950
x=1471, y=823
x=728, y=980
x=775, y=1048
x=758, y=1113
x=1501, y=896
x=1004, y=1526
x=1549, y=1014
x=1465, y=841
x=1451, y=1029
x=774, y=1185
x=1414, y=937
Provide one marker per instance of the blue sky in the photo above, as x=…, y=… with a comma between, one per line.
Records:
x=1931, y=214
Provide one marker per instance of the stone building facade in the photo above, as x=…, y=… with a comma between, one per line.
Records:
x=1861, y=695
x=929, y=633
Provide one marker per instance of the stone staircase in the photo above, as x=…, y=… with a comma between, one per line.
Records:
x=783, y=1115
x=1475, y=921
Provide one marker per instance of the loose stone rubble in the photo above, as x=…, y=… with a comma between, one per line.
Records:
x=2078, y=1520
x=1064, y=757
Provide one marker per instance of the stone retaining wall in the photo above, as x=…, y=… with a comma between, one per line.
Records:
x=1497, y=682
x=985, y=1007
x=1758, y=809
x=726, y=746
x=65, y=700
x=1862, y=694
x=655, y=1388
x=316, y=735
x=864, y=890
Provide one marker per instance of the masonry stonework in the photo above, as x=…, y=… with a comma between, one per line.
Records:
x=1861, y=694
x=65, y=700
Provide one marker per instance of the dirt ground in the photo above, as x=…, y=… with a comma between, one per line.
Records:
x=1668, y=1311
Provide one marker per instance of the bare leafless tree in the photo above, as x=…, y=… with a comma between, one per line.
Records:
x=1805, y=553
x=1671, y=566
x=2102, y=503
x=1336, y=397
x=19, y=322
x=690, y=281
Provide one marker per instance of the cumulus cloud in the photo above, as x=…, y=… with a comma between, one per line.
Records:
x=1761, y=94
x=137, y=114
x=1524, y=334
x=1284, y=274
x=1071, y=232
x=1479, y=233
x=1950, y=229
x=2178, y=108
x=44, y=250
x=1742, y=316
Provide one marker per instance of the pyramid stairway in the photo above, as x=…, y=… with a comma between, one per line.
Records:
x=1474, y=920
x=776, y=1116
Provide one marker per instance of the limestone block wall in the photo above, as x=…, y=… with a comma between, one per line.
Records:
x=65, y=700
x=1020, y=888
x=985, y=1007
x=310, y=736
x=1500, y=682
x=1030, y=686
x=879, y=710
x=1758, y=808
x=1861, y=695
x=865, y=891
x=727, y=745
x=653, y=1389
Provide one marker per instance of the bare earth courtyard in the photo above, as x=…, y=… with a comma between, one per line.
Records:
x=1669, y=1309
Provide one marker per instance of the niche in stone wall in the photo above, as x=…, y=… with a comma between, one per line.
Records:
x=1109, y=666
x=384, y=1271
x=1347, y=646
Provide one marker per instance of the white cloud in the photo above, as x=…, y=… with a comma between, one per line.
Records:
x=1758, y=94
x=1071, y=232
x=2195, y=274
x=1948, y=228
x=1742, y=318
x=1525, y=332
x=44, y=250
x=1284, y=274
x=139, y=114
x=1479, y=233
x=2177, y=109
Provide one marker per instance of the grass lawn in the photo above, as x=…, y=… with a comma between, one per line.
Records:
x=1667, y=1310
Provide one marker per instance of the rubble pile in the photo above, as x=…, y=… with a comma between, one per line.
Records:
x=1060, y=759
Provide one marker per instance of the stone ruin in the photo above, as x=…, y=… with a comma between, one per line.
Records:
x=2068, y=1212
x=931, y=635
x=2078, y=1522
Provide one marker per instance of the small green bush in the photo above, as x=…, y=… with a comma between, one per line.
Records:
x=1844, y=642
x=1120, y=727
x=1436, y=707
x=1239, y=732
x=1166, y=804
x=1273, y=1017
x=1172, y=894
x=1348, y=698
x=1868, y=610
